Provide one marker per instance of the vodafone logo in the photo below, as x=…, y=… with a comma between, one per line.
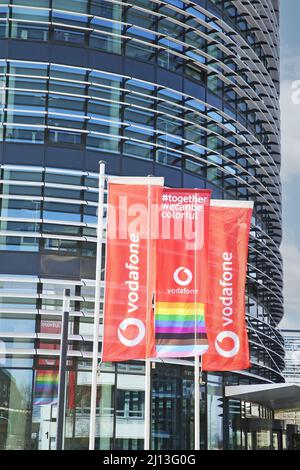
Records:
x=183, y=276
x=235, y=347
x=138, y=338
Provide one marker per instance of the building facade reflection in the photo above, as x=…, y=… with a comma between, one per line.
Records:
x=180, y=89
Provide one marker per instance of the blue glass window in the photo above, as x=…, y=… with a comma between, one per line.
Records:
x=3, y=22
x=53, y=244
x=107, y=144
x=106, y=9
x=63, y=137
x=25, y=134
x=28, y=68
x=31, y=3
x=29, y=24
x=13, y=208
x=71, y=5
x=19, y=244
x=61, y=211
x=106, y=35
x=62, y=178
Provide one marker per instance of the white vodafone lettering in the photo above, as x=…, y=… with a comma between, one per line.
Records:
x=133, y=273
x=188, y=276
x=227, y=308
x=133, y=285
x=236, y=343
x=141, y=332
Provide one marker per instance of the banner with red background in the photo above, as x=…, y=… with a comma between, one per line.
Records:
x=181, y=284
x=128, y=330
x=229, y=227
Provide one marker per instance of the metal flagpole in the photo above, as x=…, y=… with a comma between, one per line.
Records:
x=196, y=357
x=61, y=406
x=147, y=424
x=197, y=402
x=97, y=306
x=147, y=404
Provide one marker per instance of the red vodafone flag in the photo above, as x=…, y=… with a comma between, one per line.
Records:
x=128, y=330
x=181, y=292
x=229, y=227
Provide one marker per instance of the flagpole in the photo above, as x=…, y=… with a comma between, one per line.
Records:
x=197, y=402
x=97, y=307
x=147, y=424
x=61, y=405
x=147, y=431
x=196, y=357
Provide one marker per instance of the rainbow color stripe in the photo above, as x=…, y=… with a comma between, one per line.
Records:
x=180, y=329
x=46, y=387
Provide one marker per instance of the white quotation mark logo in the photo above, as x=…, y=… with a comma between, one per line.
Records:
x=236, y=343
x=185, y=279
x=124, y=325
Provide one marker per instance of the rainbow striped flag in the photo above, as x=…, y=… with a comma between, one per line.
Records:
x=180, y=329
x=46, y=387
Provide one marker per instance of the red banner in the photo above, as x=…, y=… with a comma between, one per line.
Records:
x=181, y=291
x=130, y=268
x=229, y=226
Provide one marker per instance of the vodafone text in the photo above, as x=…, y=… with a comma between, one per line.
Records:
x=227, y=311
x=133, y=285
x=183, y=291
x=227, y=291
x=133, y=272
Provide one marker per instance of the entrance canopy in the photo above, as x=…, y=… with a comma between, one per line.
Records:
x=283, y=396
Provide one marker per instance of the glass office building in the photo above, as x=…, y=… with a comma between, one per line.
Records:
x=292, y=355
x=188, y=90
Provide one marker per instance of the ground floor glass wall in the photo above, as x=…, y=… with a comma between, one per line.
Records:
x=28, y=408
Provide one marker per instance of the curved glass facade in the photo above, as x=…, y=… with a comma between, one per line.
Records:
x=185, y=90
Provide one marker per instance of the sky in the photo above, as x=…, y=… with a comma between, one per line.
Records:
x=290, y=169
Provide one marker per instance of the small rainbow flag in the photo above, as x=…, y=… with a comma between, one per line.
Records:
x=180, y=329
x=46, y=387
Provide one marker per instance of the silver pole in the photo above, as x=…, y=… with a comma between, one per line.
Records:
x=196, y=358
x=61, y=406
x=197, y=402
x=147, y=404
x=97, y=307
x=147, y=430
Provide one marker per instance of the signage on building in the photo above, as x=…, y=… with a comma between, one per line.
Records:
x=186, y=253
